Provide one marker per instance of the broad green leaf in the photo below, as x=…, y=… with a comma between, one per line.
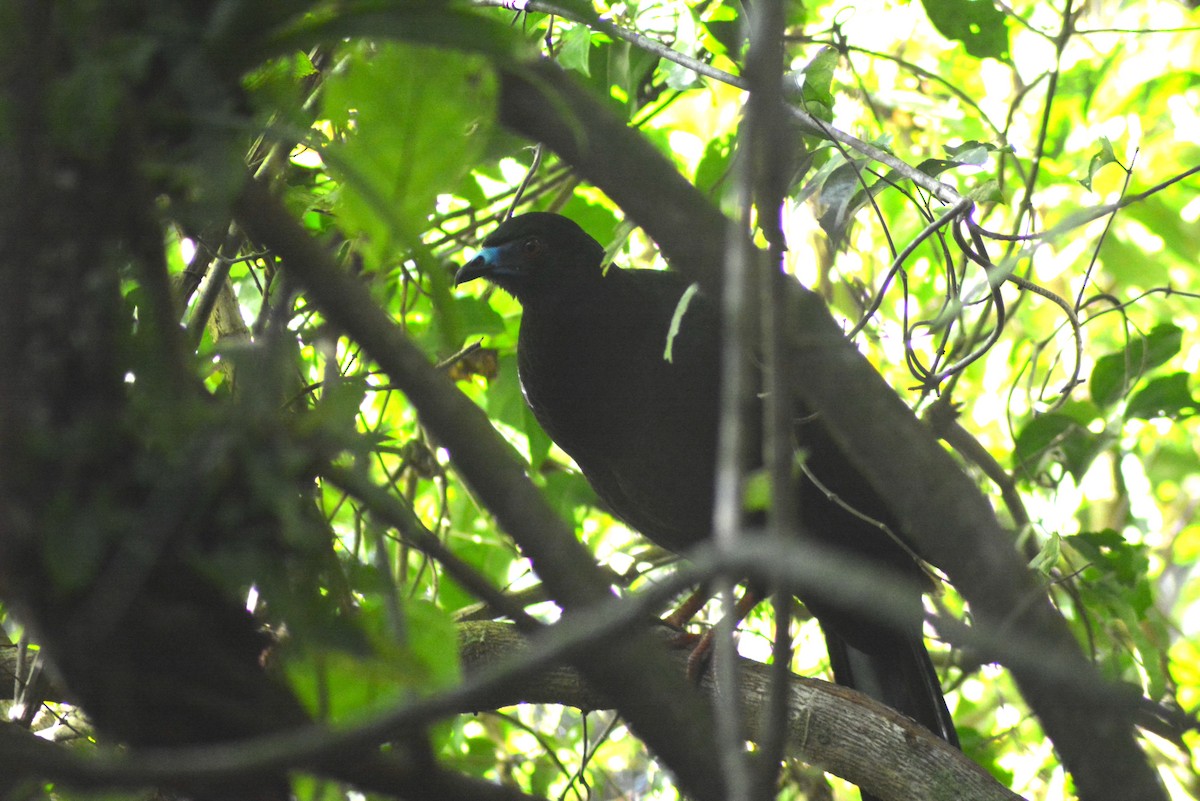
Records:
x=1163, y=342
x=978, y=24
x=816, y=92
x=1037, y=437
x=506, y=404
x=1100, y=158
x=414, y=119
x=678, y=76
x=984, y=749
x=726, y=32
x=1081, y=448
x=1130, y=265
x=973, y=152
x=539, y=441
x=841, y=195
x=1108, y=380
x=1179, y=232
x=478, y=317
x=1112, y=554
x=350, y=682
x=567, y=490
x=455, y=318
x=1168, y=396
x=576, y=49
x=1048, y=556
x=1116, y=372
x=1057, y=435
x=714, y=164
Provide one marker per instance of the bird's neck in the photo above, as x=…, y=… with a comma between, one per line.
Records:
x=573, y=297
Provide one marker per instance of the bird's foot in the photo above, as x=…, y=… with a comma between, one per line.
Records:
x=701, y=656
x=699, y=646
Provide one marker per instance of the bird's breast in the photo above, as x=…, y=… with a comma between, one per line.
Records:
x=571, y=380
x=641, y=428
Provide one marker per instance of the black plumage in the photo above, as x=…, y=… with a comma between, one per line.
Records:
x=634, y=401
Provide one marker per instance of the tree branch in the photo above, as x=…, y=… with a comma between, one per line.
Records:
x=830, y=727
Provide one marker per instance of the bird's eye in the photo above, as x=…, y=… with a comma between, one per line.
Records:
x=533, y=246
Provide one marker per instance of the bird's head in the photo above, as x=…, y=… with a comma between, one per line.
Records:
x=537, y=255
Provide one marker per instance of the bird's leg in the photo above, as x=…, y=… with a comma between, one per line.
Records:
x=699, y=658
x=687, y=610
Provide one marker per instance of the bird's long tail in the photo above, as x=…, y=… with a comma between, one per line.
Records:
x=897, y=672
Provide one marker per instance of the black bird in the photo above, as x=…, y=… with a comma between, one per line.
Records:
x=636, y=407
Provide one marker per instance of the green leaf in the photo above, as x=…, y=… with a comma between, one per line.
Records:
x=842, y=192
x=973, y=152
x=816, y=92
x=311, y=788
x=1109, y=552
x=677, y=76
x=1057, y=436
x=1107, y=382
x=539, y=441
x=688, y=33
x=1048, y=556
x=1038, y=436
x=1179, y=234
x=1100, y=158
x=506, y=404
x=455, y=317
x=1130, y=263
x=478, y=317
x=1163, y=342
x=576, y=49
x=347, y=683
x=414, y=120
x=841, y=195
x=597, y=220
x=978, y=24
x=566, y=491
x=987, y=192
x=677, y=319
x=726, y=33
x=1116, y=372
x=1168, y=396
x=1081, y=448
x=714, y=164
x=432, y=641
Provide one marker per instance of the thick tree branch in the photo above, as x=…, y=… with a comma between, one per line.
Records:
x=939, y=507
x=828, y=726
